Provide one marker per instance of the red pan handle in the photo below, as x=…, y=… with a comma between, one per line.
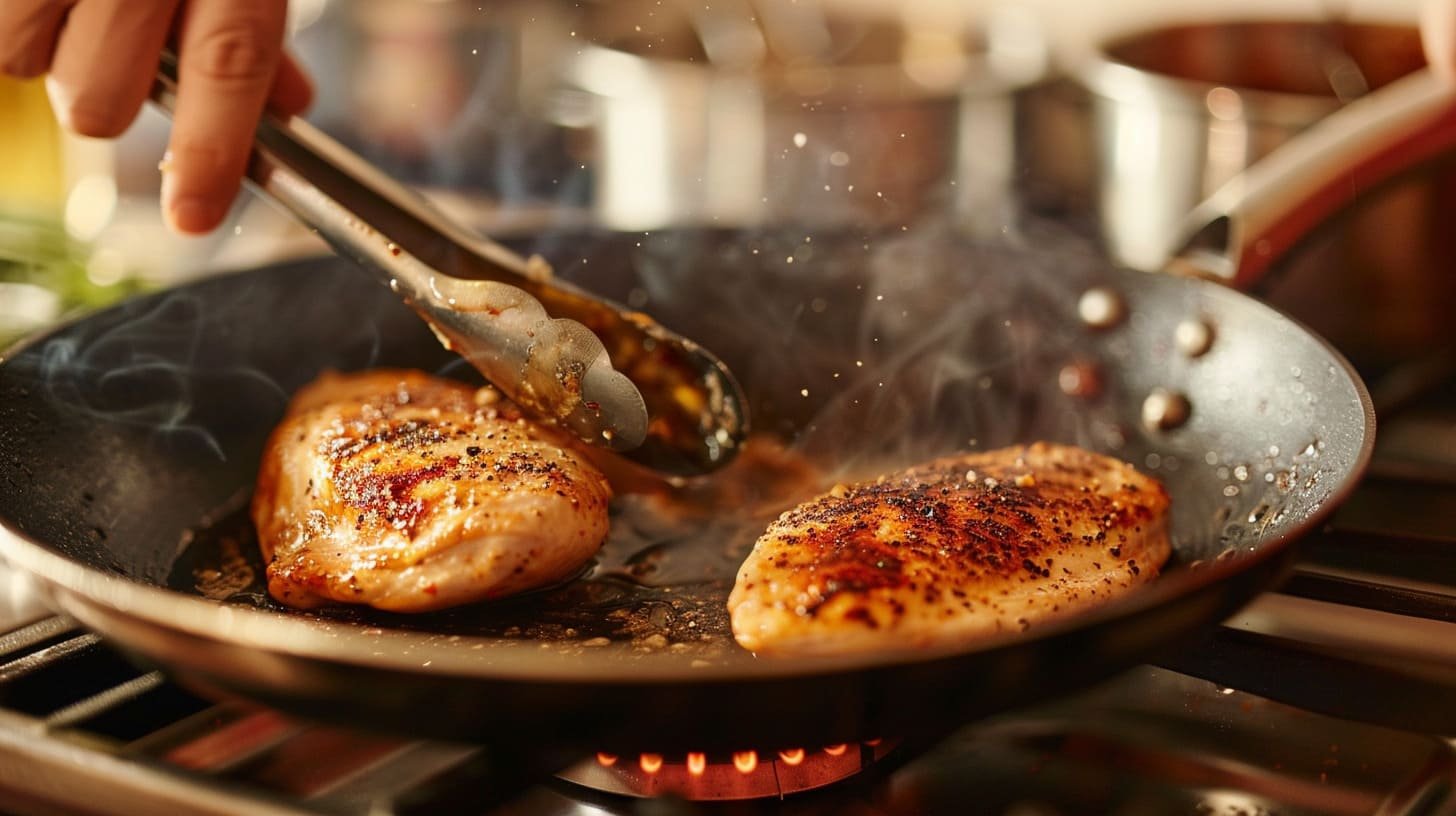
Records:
x=1241, y=230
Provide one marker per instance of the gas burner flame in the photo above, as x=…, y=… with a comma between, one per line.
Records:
x=745, y=761
x=728, y=775
x=699, y=775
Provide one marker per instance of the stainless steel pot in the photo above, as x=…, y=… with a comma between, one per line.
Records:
x=702, y=117
x=1180, y=111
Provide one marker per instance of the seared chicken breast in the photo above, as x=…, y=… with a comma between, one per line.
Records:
x=410, y=493
x=957, y=549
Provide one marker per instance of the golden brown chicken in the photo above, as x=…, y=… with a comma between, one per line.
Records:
x=410, y=493
x=957, y=549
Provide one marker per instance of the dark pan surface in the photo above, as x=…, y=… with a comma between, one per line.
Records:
x=129, y=440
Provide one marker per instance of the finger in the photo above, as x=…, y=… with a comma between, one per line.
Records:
x=292, y=89
x=228, y=55
x=1438, y=34
x=28, y=30
x=106, y=61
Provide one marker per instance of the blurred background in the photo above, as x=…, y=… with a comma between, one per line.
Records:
x=518, y=116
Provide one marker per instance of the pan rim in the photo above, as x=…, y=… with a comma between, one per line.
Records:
x=367, y=647
x=359, y=644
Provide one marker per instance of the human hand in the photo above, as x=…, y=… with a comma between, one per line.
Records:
x=100, y=58
x=1438, y=34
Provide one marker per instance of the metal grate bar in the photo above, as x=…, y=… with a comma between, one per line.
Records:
x=407, y=770
x=97, y=703
x=1429, y=790
x=1352, y=537
x=221, y=748
x=67, y=777
x=16, y=669
x=1352, y=690
x=315, y=761
x=38, y=632
x=1383, y=593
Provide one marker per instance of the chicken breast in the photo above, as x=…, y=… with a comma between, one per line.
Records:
x=957, y=549
x=410, y=493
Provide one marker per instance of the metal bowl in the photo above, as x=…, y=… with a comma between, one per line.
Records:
x=704, y=117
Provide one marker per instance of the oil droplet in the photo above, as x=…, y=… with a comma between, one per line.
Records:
x=800, y=139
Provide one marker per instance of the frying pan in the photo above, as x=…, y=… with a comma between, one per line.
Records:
x=129, y=439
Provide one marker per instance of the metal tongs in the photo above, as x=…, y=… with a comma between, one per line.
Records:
x=615, y=378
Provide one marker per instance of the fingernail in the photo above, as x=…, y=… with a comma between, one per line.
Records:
x=193, y=215
x=60, y=98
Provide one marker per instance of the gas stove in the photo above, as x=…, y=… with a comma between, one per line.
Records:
x=1332, y=695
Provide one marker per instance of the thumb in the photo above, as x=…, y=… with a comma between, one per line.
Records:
x=1438, y=35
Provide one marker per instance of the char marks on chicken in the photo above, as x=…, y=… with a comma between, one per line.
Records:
x=958, y=549
x=410, y=493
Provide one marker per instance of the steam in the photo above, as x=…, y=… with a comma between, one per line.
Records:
x=871, y=352
x=880, y=350
x=178, y=366
x=136, y=373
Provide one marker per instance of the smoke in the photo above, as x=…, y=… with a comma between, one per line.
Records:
x=198, y=364
x=140, y=372
x=879, y=349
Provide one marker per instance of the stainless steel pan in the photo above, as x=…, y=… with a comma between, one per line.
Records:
x=122, y=433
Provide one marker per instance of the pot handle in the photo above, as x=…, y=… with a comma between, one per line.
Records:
x=1248, y=224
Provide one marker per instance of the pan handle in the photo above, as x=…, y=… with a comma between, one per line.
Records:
x=1247, y=225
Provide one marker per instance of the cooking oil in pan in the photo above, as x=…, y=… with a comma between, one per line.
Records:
x=660, y=581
